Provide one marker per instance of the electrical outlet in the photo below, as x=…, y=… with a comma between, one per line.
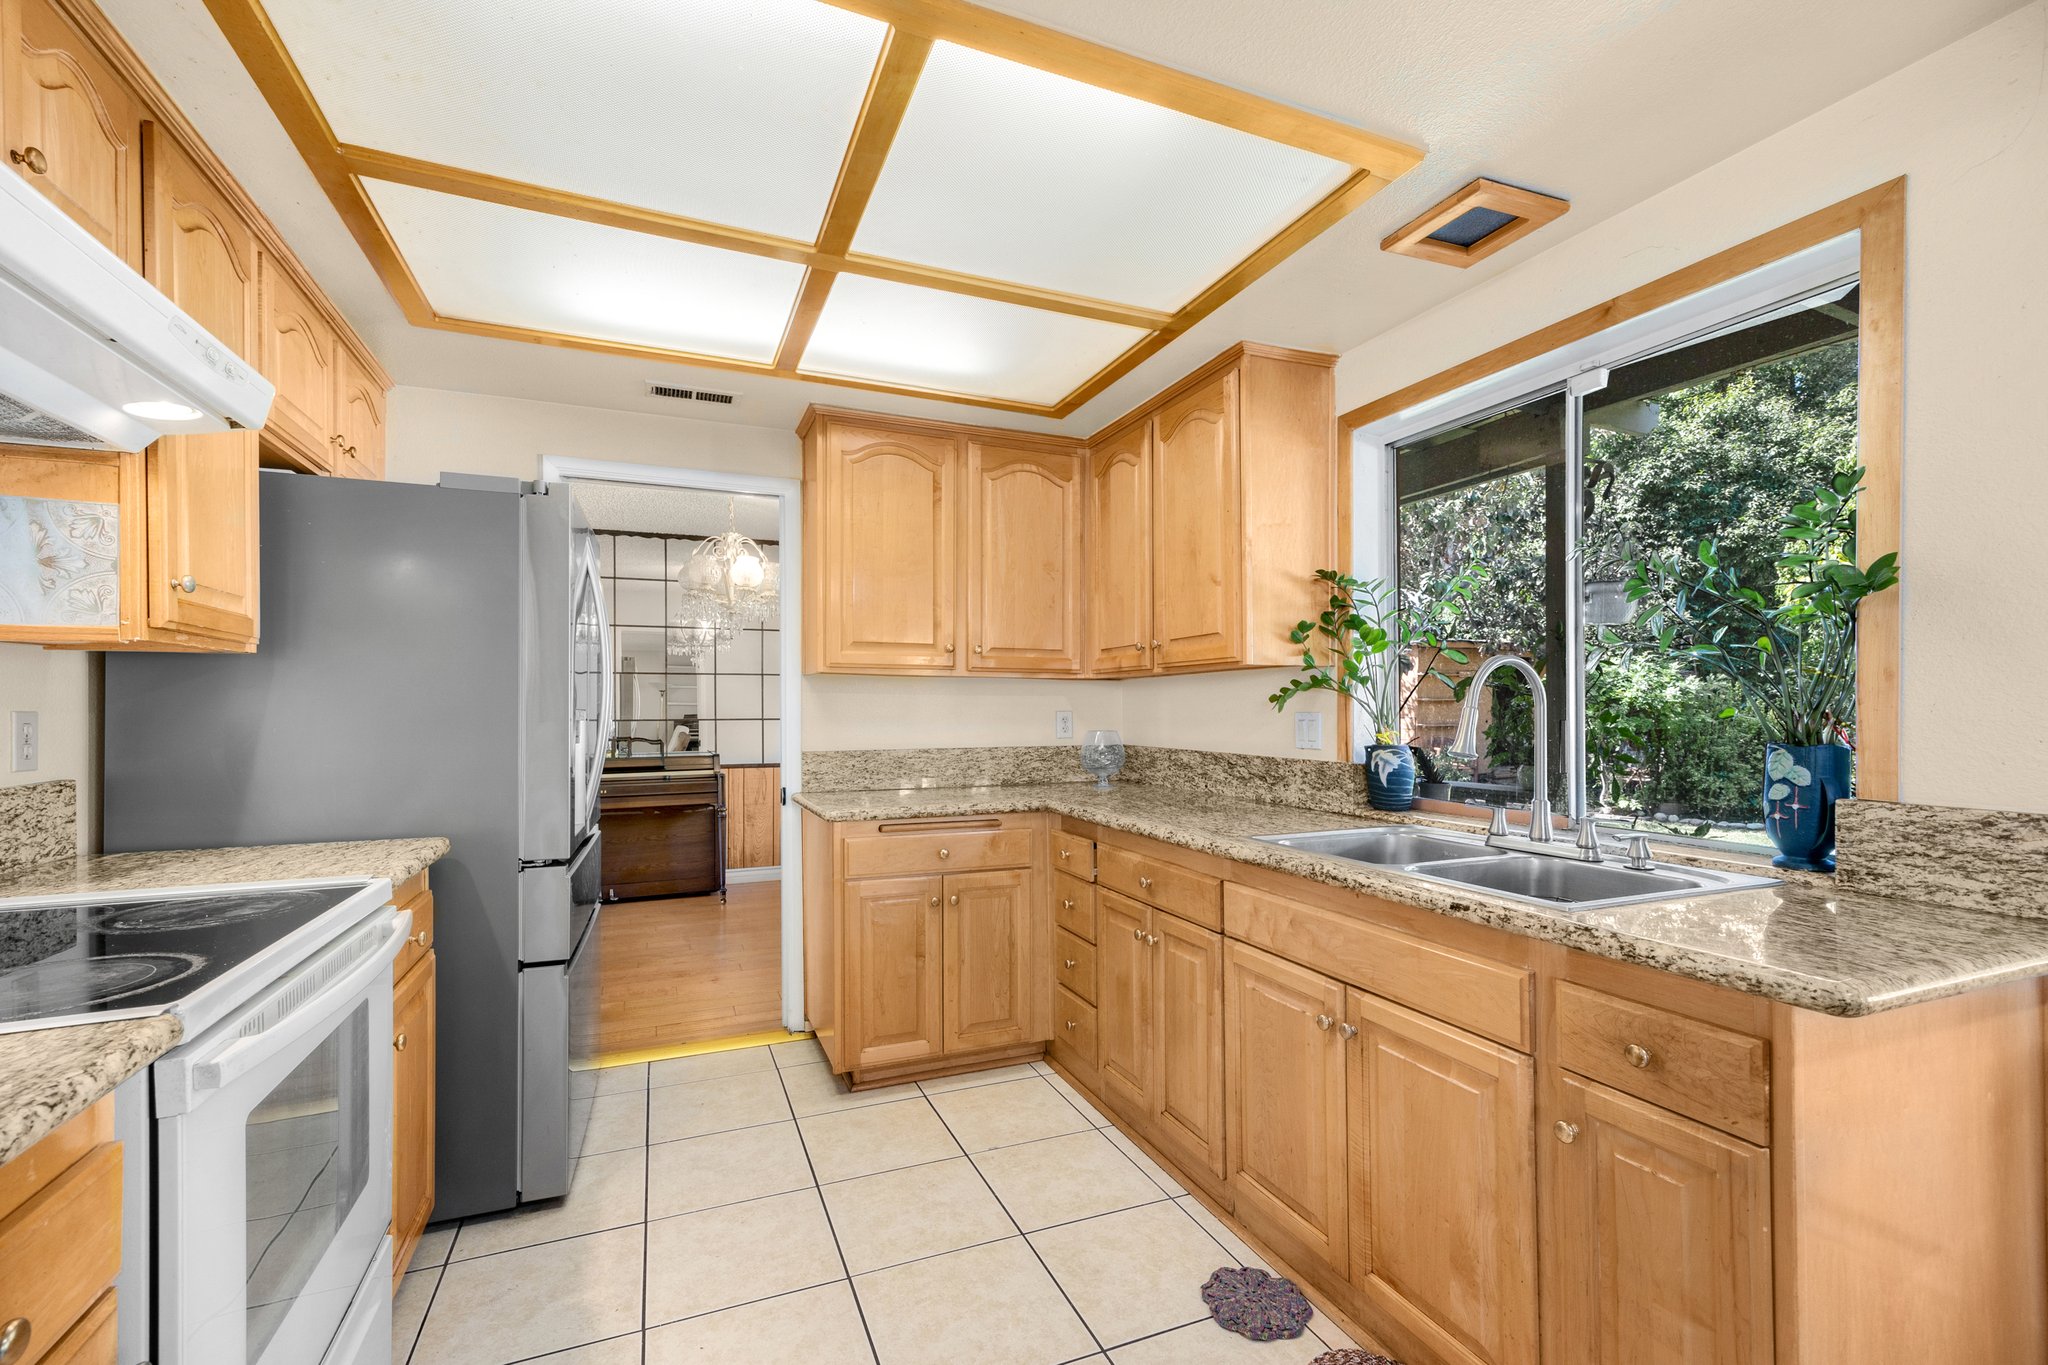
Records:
x=1308, y=730
x=21, y=740
x=1063, y=725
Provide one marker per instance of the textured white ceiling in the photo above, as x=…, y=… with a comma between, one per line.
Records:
x=655, y=509
x=1603, y=101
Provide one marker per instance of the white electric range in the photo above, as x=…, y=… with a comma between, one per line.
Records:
x=259, y=1148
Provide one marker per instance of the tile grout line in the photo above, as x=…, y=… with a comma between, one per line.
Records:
x=1025, y=1237
x=819, y=1189
x=646, y=1208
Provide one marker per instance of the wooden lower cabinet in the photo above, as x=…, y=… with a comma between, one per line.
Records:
x=1658, y=1249
x=893, y=928
x=1443, y=1184
x=94, y=1340
x=1285, y=1073
x=1124, y=1002
x=992, y=967
x=414, y=1051
x=60, y=1240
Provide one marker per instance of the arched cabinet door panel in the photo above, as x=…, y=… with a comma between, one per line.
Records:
x=299, y=355
x=1023, y=559
x=890, y=506
x=73, y=127
x=1120, y=553
x=1197, y=537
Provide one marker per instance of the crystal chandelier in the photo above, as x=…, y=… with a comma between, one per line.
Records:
x=727, y=583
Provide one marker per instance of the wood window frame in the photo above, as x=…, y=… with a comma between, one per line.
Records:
x=1878, y=214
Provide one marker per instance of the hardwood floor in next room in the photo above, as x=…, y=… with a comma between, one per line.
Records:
x=744, y=1208
x=691, y=969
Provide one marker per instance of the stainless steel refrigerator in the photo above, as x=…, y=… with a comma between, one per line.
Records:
x=433, y=661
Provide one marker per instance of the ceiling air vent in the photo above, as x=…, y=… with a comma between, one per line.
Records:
x=1474, y=223
x=655, y=390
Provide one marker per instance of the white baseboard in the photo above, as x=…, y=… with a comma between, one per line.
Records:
x=752, y=874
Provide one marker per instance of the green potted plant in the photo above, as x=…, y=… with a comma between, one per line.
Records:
x=1369, y=641
x=1789, y=646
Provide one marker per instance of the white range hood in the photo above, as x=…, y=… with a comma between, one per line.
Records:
x=94, y=356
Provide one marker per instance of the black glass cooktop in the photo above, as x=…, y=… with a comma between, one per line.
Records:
x=62, y=961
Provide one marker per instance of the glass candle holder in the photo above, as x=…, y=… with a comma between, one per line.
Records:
x=1102, y=755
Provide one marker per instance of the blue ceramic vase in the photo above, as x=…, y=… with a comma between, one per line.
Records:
x=1802, y=782
x=1390, y=777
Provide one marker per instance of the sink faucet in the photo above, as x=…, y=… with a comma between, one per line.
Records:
x=1465, y=743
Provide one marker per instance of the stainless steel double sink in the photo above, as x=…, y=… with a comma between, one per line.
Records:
x=1452, y=859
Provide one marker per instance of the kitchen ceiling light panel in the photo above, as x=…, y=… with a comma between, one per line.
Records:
x=488, y=263
x=926, y=338
x=1006, y=171
x=732, y=111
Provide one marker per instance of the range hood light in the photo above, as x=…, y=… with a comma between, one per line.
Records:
x=157, y=410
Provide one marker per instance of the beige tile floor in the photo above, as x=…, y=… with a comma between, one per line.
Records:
x=744, y=1207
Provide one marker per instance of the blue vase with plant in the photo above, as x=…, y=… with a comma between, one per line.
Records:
x=1377, y=650
x=1790, y=647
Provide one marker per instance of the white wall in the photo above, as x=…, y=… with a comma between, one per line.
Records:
x=61, y=686
x=896, y=713
x=1967, y=126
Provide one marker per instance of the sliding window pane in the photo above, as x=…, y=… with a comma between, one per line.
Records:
x=1488, y=495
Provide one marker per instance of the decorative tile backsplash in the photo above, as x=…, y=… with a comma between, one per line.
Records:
x=59, y=562
x=38, y=822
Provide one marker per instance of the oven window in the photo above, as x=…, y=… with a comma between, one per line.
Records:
x=309, y=1161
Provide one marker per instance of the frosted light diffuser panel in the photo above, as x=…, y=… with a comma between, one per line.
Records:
x=733, y=111
x=926, y=338
x=488, y=263
x=1006, y=171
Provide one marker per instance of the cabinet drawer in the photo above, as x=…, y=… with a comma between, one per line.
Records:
x=420, y=938
x=1701, y=1070
x=1073, y=964
x=1073, y=907
x=1191, y=895
x=61, y=1249
x=1073, y=1030
x=959, y=850
x=1487, y=997
x=1073, y=855
x=92, y=1341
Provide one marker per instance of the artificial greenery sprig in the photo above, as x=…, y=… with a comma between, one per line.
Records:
x=1790, y=646
x=1369, y=639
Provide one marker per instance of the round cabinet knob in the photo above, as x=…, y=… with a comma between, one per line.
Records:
x=1073, y=1024
x=949, y=649
x=186, y=584
x=419, y=938
x=977, y=649
x=14, y=1333
x=1138, y=934
x=1065, y=854
x=952, y=900
x=1637, y=1055
x=1323, y=1022
x=1066, y=902
x=399, y=1042
x=1349, y=1031
x=1144, y=883
x=1567, y=1132
x=36, y=163
x=1152, y=939
x=1071, y=964
x=1155, y=644
x=945, y=853
x=935, y=900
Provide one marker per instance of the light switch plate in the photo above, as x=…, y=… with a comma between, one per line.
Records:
x=1308, y=730
x=1063, y=725
x=23, y=741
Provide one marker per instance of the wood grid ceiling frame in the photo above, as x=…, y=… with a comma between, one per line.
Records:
x=914, y=25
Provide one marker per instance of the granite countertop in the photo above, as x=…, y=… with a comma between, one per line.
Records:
x=49, y=1075
x=1820, y=947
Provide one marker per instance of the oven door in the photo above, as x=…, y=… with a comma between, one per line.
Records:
x=274, y=1161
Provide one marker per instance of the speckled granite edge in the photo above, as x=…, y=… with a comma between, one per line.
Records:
x=1971, y=859
x=38, y=821
x=847, y=770
x=395, y=859
x=1816, y=948
x=48, y=1076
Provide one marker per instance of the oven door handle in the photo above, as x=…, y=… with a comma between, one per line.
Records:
x=245, y=1053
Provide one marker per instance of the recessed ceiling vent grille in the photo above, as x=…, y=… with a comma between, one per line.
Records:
x=655, y=390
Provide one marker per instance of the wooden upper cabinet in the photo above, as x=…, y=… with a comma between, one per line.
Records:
x=1285, y=1070
x=359, y=411
x=992, y=964
x=1657, y=1237
x=1119, y=533
x=894, y=927
x=889, y=564
x=1197, y=535
x=73, y=127
x=300, y=354
x=1443, y=1209
x=1024, y=559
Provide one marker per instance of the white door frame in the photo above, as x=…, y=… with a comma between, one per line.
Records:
x=789, y=528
